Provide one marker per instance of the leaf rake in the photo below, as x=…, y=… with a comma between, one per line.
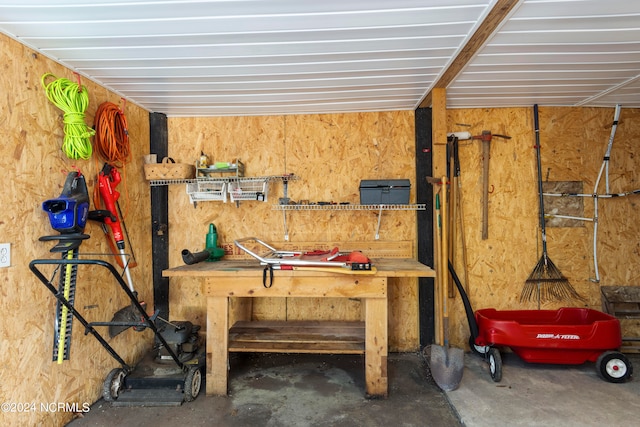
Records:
x=546, y=282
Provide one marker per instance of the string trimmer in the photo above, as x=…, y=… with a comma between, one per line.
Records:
x=108, y=180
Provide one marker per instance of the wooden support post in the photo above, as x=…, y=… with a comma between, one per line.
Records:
x=376, y=347
x=217, y=345
x=439, y=132
x=439, y=169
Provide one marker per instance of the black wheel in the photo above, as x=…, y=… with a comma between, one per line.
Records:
x=495, y=364
x=192, y=384
x=113, y=384
x=614, y=367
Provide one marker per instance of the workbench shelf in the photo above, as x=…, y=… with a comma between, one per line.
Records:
x=325, y=337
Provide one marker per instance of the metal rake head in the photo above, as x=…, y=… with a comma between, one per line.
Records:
x=549, y=290
x=547, y=283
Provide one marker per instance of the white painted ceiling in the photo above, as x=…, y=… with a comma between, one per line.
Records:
x=263, y=57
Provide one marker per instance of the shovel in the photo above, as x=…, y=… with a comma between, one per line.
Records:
x=447, y=364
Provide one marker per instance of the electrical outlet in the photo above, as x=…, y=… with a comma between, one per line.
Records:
x=5, y=254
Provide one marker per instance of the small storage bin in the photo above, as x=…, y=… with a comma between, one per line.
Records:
x=207, y=190
x=168, y=169
x=248, y=189
x=384, y=191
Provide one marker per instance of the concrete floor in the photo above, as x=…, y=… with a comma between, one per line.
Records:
x=544, y=395
x=320, y=390
x=298, y=390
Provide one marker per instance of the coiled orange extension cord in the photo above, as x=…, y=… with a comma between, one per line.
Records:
x=112, y=134
x=111, y=142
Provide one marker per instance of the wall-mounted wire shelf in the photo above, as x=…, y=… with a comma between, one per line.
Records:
x=350, y=207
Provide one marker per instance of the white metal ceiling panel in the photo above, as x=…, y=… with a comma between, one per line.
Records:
x=247, y=57
x=561, y=52
x=255, y=57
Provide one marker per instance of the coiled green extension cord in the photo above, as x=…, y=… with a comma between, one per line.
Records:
x=72, y=99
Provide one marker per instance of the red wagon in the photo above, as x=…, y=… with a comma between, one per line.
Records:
x=568, y=336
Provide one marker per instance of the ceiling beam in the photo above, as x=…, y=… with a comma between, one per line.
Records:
x=499, y=12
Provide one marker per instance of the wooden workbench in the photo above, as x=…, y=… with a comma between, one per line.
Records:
x=243, y=279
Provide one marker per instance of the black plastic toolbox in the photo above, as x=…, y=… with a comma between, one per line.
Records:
x=384, y=191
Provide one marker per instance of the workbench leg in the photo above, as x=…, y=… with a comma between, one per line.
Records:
x=217, y=345
x=376, y=347
x=239, y=309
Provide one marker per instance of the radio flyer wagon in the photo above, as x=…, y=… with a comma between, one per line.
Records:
x=566, y=336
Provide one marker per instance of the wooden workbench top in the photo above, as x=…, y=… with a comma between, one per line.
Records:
x=386, y=267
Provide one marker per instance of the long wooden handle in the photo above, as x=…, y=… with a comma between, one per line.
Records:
x=486, y=149
x=453, y=215
x=453, y=234
x=463, y=240
x=440, y=272
x=340, y=270
x=444, y=262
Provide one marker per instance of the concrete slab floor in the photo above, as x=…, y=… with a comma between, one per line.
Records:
x=321, y=390
x=299, y=390
x=544, y=395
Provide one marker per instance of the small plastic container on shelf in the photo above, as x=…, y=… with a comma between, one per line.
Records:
x=220, y=169
x=207, y=191
x=248, y=189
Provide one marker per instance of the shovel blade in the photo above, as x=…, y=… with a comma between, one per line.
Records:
x=447, y=366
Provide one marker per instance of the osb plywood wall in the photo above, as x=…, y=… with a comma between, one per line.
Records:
x=573, y=143
x=34, y=170
x=329, y=154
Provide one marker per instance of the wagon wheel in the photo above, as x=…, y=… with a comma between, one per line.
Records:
x=113, y=384
x=472, y=345
x=495, y=364
x=478, y=349
x=192, y=383
x=614, y=367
